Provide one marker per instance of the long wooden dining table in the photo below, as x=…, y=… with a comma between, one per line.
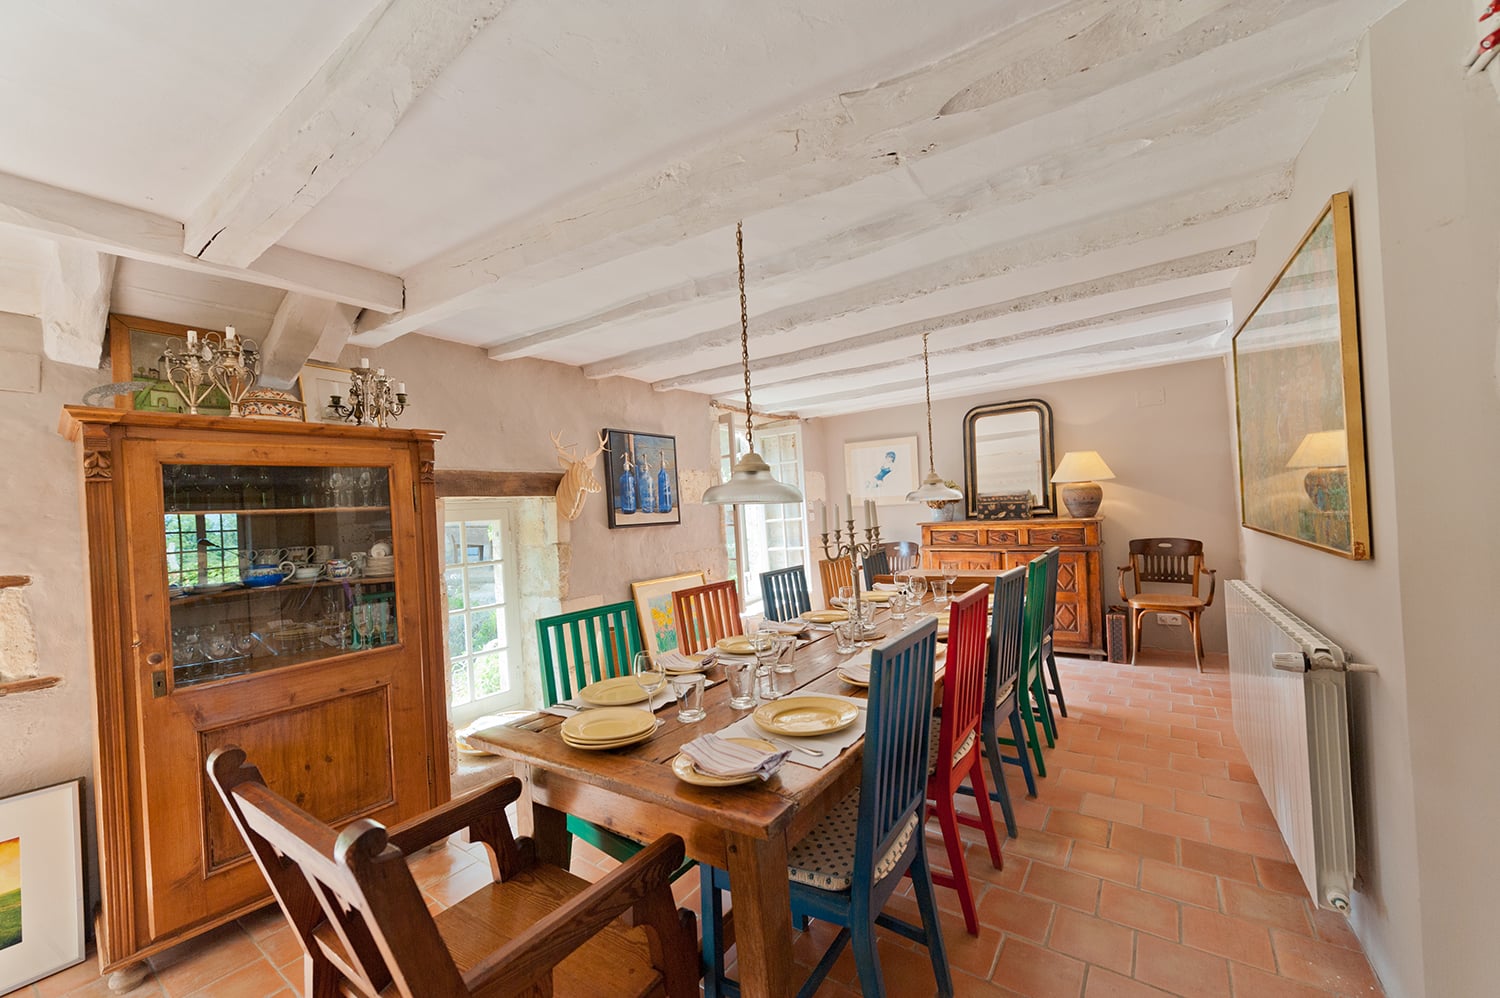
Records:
x=747, y=830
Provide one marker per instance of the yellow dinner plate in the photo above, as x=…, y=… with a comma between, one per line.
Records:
x=607, y=724
x=688, y=773
x=805, y=715
x=877, y=596
x=605, y=746
x=735, y=645
x=615, y=692
x=825, y=616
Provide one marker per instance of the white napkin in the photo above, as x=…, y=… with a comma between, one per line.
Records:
x=676, y=661
x=830, y=744
x=784, y=626
x=718, y=756
x=887, y=587
x=858, y=666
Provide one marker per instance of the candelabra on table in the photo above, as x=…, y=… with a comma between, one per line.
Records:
x=230, y=363
x=855, y=551
x=372, y=396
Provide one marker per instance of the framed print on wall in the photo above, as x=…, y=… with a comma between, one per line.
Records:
x=41, y=884
x=653, y=604
x=1297, y=392
x=882, y=470
x=317, y=383
x=640, y=479
x=135, y=349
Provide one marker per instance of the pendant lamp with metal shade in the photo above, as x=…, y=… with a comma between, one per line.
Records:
x=751, y=480
x=932, y=489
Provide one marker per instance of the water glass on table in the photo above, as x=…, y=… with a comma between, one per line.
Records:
x=741, y=676
x=688, y=688
x=650, y=678
x=898, y=605
x=786, y=653
x=846, y=596
x=844, y=635
x=940, y=592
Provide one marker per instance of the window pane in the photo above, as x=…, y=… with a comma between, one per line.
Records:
x=481, y=541
x=461, y=681
x=794, y=533
x=484, y=631
x=775, y=535
x=484, y=585
x=490, y=674
x=453, y=543
x=456, y=644
x=453, y=583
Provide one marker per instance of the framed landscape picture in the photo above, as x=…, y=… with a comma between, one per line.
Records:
x=41, y=884
x=316, y=383
x=882, y=470
x=653, y=604
x=135, y=349
x=1297, y=388
x=640, y=479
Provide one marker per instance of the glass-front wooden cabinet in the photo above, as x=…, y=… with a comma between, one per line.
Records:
x=270, y=585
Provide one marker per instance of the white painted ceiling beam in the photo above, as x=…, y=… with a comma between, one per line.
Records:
x=296, y=331
x=1083, y=54
x=40, y=209
x=75, y=291
x=338, y=121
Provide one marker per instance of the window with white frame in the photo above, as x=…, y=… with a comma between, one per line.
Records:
x=760, y=538
x=479, y=562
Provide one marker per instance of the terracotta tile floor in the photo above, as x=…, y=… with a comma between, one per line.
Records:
x=1149, y=864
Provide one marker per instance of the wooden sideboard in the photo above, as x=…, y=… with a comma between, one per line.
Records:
x=984, y=547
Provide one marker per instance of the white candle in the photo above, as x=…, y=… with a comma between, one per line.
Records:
x=823, y=509
x=401, y=388
x=192, y=337
x=875, y=515
x=380, y=372
x=835, y=517
x=364, y=362
x=849, y=501
x=229, y=334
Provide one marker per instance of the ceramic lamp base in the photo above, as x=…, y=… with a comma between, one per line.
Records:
x=1082, y=498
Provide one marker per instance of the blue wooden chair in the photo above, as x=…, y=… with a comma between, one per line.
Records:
x=1049, y=623
x=877, y=562
x=1001, y=702
x=784, y=592
x=584, y=647
x=847, y=867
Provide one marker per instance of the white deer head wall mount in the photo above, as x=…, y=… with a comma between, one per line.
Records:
x=578, y=481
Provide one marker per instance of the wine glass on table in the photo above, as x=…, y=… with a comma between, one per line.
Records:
x=650, y=678
x=918, y=587
x=846, y=596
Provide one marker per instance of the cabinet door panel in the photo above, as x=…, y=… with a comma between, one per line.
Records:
x=967, y=561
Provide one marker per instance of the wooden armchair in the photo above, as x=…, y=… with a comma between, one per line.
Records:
x=704, y=614
x=1175, y=561
x=537, y=930
x=834, y=573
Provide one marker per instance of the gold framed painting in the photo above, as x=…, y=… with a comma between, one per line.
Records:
x=1298, y=400
x=136, y=346
x=653, y=604
x=317, y=383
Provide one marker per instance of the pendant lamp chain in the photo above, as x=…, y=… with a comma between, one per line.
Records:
x=739, y=245
x=927, y=384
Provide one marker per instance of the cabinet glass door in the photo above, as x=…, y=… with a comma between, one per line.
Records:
x=273, y=566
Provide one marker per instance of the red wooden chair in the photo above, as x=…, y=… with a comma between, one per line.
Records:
x=705, y=614
x=955, y=751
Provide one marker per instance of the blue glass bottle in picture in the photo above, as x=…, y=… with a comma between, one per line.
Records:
x=645, y=501
x=663, y=489
x=625, y=495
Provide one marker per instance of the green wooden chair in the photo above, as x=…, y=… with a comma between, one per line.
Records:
x=584, y=647
x=1031, y=691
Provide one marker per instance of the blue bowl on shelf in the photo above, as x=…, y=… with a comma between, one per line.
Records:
x=263, y=576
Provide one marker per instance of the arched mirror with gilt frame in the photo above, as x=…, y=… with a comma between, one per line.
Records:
x=1008, y=450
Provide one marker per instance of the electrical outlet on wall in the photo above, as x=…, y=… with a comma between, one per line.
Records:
x=1169, y=619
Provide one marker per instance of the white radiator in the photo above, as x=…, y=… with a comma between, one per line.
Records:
x=1292, y=719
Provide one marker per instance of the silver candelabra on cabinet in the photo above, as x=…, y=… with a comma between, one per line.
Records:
x=373, y=397
x=855, y=550
x=208, y=361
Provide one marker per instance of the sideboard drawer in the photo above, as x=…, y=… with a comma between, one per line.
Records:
x=967, y=561
x=1056, y=535
x=970, y=537
x=1010, y=536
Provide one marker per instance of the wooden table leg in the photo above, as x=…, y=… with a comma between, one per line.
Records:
x=762, y=915
x=549, y=830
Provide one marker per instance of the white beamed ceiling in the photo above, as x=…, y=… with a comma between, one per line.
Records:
x=1046, y=188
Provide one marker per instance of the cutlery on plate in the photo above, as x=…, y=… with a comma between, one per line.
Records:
x=790, y=745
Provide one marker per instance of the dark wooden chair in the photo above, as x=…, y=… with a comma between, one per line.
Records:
x=1171, y=561
x=705, y=614
x=1049, y=623
x=876, y=563
x=784, y=592
x=1001, y=697
x=536, y=930
x=903, y=556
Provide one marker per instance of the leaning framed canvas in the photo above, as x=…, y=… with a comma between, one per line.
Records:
x=41, y=884
x=653, y=604
x=882, y=470
x=640, y=479
x=316, y=383
x=1297, y=390
x=136, y=346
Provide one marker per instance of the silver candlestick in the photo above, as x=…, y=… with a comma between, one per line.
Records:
x=373, y=397
x=188, y=369
x=855, y=551
x=234, y=367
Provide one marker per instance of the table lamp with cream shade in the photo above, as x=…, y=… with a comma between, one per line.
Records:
x=1326, y=453
x=1079, y=473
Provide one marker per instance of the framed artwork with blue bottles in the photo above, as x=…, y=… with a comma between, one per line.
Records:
x=641, y=479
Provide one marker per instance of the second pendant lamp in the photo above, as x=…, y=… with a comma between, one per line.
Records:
x=932, y=489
